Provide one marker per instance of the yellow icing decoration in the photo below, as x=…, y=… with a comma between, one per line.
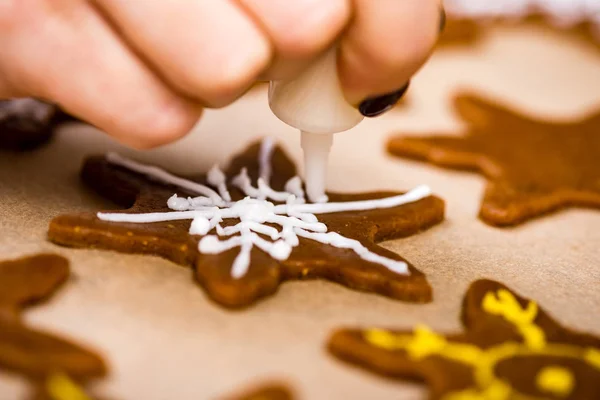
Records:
x=556, y=380
x=507, y=306
x=496, y=391
x=386, y=340
x=592, y=356
x=60, y=387
x=424, y=343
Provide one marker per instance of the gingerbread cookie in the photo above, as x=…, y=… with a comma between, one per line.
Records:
x=59, y=386
x=573, y=16
x=35, y=354
x=511, y=349
x=26, y=123
x=533, y=167
x=460, y=31
x=244, y=240
x=274, y=391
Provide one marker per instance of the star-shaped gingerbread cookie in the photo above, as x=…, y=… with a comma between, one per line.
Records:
x=511, y=349
x=251, y=228
x=460, y=32
x=33, y=353
x=533, y=167
x=472, y=18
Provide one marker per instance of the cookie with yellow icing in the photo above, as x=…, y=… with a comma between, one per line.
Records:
x=53, y=364
x=271, y=391
x=510, y=349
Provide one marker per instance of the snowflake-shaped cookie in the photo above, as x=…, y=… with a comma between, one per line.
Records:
x=251, y=228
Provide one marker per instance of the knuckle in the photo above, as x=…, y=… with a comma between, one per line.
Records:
x=221, y=90
x=29, y=14
x=156, y=126
x=320, y=26
x=404, y=55
x=12, y=13
x=220, y=85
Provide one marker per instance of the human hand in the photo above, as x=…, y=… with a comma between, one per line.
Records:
x=144, y=70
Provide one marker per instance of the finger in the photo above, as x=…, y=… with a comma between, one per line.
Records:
x=65, y=52
x=6, y=91
x=387, y=42
x=209, y=50
x=299, y=30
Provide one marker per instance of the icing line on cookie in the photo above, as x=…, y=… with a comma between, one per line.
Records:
x=295, y=218
x=160, y=175
x=423, y=343
x=556, y=380
x=61, y=387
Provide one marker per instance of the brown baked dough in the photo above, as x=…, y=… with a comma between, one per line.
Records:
x=273, y=391
x=33, y=353
x=22, y=128
x=468, y=31
x=533, y=167
x=310, y=260
x=460, y=32
x=511, y=349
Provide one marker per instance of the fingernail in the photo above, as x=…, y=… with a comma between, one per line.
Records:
x=62, y=117
x=442, y=19
x=375, y=106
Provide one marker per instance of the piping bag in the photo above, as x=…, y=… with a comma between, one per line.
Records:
x=314, y=103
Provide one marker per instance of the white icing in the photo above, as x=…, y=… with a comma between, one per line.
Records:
x=160, y=175
x=337, y=240
x=145, y=218
x=26, y=107
x=416, y=194
x=200, y=226
x=217, y=178
x=563, y=13
x=243, y=182
x=242, y=261
x=265, y=190
x=294, y=186
x=257, y=215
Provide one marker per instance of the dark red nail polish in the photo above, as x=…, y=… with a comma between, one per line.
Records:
x=375, y=106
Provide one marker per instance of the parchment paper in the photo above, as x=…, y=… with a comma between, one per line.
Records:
x=164, y=340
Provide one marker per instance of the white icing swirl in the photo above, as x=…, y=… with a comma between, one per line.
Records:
x=257, y=214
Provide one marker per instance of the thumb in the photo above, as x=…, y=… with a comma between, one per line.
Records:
x=386, y=43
